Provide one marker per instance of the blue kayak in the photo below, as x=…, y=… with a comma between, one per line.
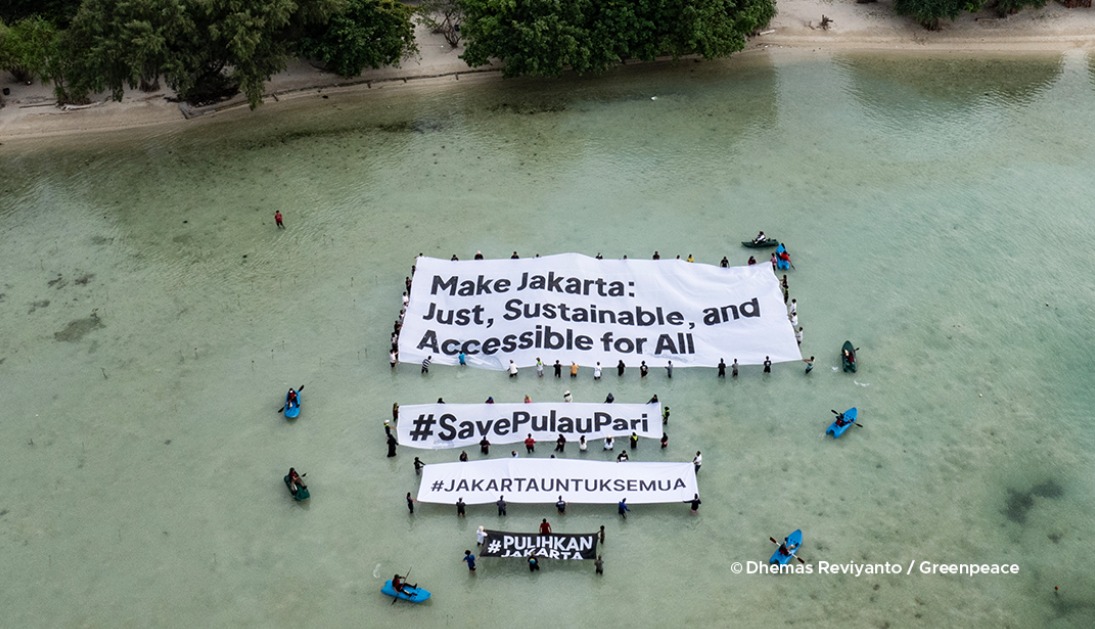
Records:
x=781, y=264
x=292, y=411
x=302, y=492
x=848, y=417
x=409, y=593
x=792, y=541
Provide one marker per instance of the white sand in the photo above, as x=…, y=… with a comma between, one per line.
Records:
x=30, y=111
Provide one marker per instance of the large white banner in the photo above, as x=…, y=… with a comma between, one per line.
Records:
x=573, y=308
x=544, y=480
x=439, y=426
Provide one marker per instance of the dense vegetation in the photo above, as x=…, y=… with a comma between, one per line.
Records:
x=210, y=49
x=930, y=13
x=546, y=37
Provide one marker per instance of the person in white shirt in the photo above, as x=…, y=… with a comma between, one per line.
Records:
x=608, y=444
x=697, y=461
x=597, y=372
x=512, y=369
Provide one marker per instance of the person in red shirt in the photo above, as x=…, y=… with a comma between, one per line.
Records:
x=545, y=528
x=277, y=219
x=530, y=444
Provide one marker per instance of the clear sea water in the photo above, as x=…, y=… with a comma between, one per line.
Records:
x=940, y=212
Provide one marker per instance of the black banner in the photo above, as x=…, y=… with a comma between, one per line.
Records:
x=550, y=546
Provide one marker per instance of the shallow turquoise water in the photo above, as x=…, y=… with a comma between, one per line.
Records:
x=938, y=210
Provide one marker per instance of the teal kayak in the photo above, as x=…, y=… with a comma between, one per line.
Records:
x=302, y=492
x=843, y=422
x=292, y=409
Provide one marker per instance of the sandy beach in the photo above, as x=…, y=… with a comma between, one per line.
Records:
x=31, y=111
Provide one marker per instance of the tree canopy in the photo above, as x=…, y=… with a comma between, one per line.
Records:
x=546, y=37
x=366, y=33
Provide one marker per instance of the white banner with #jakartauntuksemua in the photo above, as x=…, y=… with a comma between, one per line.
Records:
x=572, y=308
x=440, y=426
x=545, y=480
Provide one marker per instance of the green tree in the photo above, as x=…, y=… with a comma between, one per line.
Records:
x=126, y=43
x=58, y=12
x=929, y=13
x=367, y=33
x=33, y=49
x=546, y=37
x=225, y=46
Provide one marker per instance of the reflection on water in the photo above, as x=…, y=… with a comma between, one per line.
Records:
x=153, y=316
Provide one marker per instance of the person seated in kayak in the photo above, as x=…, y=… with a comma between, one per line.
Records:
x=296, y=483
x=784, y=550
x=291, y=400
x=761, y=237
x=399, y=586
x=840, y=421
x=849, y=356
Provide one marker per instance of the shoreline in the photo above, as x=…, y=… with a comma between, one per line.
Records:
x=30, y=112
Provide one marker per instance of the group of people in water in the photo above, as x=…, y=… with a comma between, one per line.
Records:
x=573, y=370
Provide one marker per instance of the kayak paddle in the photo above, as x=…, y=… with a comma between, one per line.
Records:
x=839, y=414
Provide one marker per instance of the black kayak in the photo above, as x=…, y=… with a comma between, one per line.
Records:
x=847, y=357
x=770, y=242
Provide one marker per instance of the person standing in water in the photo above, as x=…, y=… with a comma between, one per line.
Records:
x=695, y=502
x=278, y=219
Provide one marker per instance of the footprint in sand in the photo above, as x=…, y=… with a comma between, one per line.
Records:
x=861, y=384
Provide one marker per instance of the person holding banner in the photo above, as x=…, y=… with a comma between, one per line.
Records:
x=767, y=365
x=530, y=444
x=573, y=369
x=558, y=367
x=484, y=446
x=560, y=443
x=501, y=505
x=545, y=527
x=620, y=368
x=582, y=445
x=561, y=505
x=512, y=369
x=665, y=440
x=597, y=372
x=460, y=505
x=634, y=440
x=539, y=368
x=695, y=502
x=622, y=456
x=643, y=369
x=622, y=509
x=608, y=444
x=697, y=461
x=722, y=368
